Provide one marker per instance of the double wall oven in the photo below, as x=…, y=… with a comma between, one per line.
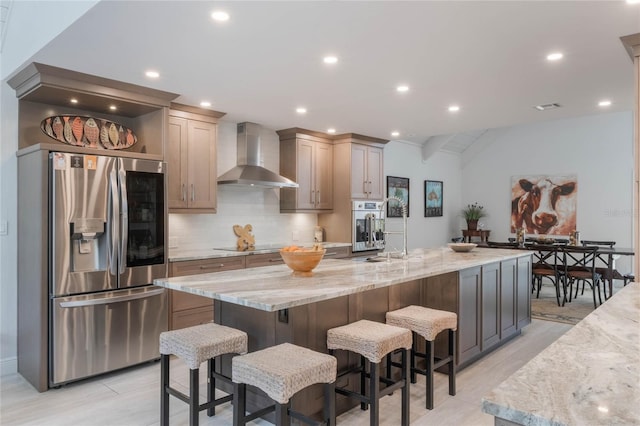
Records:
x=108, y=228
x=367, y=226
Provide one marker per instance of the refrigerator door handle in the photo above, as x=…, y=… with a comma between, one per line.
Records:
x=114, y=222
x=108, y=300
x=124, y=214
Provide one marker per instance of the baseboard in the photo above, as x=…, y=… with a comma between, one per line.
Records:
x=8, y=366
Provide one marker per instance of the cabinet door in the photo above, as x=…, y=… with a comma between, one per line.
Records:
x=359, y=186
x=375, y=171
x=490, y=305
x=202, y=170
x=507, y=298
x=469, y=314
x=523, y=292
x=266, y=259
x=177, y=163
x=324, y=176
x=305, y=172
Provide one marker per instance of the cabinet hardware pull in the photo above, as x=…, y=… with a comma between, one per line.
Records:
x=318, y=197
x=193, y=193
x=184, y=192
x=211, y=266
x=312, y=200
x=275, y=260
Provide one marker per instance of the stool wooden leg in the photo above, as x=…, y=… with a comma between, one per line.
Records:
x=282, y=414
x=374, y=393
x=164, y=397
x=363, y=377
x=211, y=386
x=429, y=377
x=406, y=353
x=330, y=403
x=452, y=363
x=239, y=404
x=194, y=396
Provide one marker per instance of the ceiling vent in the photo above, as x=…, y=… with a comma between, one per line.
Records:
x=546, y=107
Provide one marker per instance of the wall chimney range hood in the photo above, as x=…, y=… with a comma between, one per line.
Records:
x=248, y=172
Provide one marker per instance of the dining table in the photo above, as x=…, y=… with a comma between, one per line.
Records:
x=606, y=255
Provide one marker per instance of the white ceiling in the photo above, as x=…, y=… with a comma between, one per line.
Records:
x=487, y=57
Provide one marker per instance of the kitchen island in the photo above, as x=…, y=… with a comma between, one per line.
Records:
x=589, y=376
x=489, y=289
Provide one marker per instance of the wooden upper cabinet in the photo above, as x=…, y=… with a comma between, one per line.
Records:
x=308, y=160
x=366, y=172
x=191, y=160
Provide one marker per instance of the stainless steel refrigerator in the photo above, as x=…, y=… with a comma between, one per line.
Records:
x=107, y=243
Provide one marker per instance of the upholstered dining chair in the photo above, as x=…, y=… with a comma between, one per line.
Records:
x=580, y=265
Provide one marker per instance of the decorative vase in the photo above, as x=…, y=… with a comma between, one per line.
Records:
x=472, y=225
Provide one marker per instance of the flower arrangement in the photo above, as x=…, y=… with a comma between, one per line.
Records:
x=473, y=211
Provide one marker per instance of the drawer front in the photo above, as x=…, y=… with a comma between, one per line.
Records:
x=191, y=317
x=264, y=260
x=181, y=301
x=337, y=253
x=192, y=267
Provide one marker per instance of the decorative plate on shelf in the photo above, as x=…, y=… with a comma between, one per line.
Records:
x=462, y=247
x=88, y=132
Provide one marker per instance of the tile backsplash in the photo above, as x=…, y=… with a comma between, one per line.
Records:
x=241, y=206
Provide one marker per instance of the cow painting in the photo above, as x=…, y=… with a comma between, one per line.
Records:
x=544, y=204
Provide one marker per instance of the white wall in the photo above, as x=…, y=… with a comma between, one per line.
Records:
x=598, y=149
x=404, y=159
x=242, y=205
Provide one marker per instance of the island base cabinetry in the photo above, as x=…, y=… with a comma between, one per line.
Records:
x=478, y=295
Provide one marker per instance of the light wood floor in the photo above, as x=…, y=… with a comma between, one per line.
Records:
x=132, y=397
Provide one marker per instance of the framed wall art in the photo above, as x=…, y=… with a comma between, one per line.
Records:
x=397, y=187
x=432, y=198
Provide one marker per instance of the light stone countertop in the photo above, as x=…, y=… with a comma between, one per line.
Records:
x=179, y=255
x=271, y=288
x=589, y=376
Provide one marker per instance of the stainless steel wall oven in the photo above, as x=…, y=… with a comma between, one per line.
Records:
x=367, y=226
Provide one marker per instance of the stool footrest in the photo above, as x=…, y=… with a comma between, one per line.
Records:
x=308, y=420
x=174, y=392
x=259, y=413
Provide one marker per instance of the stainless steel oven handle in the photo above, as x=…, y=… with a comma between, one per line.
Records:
x=124, y=214
x=114, y=223
x=370, y=228
x=108, y=300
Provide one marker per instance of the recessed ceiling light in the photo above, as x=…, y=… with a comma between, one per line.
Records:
x=547, y=106
x=73, y=100
x=395, y=133
x=220, y=16
x=205, y=104
x=604, y=103
x=402, y=88
x=301, y=110
x=454, y=108
x=330, y=59
x=113, y=107
x=152, y=74
x=633, y=1
x=331, y=130
x=555, y=56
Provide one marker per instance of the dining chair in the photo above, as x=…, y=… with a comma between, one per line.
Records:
x=580, y=265
x=603, y=262
x=547, y=263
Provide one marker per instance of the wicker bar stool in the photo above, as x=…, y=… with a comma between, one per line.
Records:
x=373, y=341
x=428, y=323
x=194, y=345
x=281, y=371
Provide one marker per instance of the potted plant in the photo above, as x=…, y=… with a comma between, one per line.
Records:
x=472, y=213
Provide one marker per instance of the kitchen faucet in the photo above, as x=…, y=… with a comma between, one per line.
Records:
x=404, y=252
